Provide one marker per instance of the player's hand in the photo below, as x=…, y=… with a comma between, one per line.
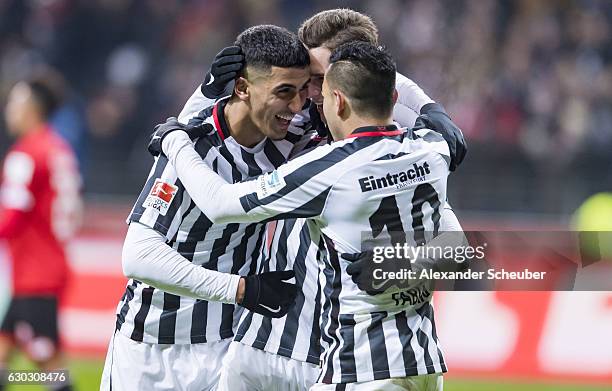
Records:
x=269, y=293
x=361, y=269
x=225, y=68
x=434, y=117
x=173, y=125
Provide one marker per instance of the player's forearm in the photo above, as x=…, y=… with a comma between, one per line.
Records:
x=196, y=102
x=410, y=94
x=147, y=258
x=219, y=200
x=451, y=236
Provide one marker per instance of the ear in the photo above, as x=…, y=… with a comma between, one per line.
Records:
x=241, y=88
x=340, y=102
x=395, y=96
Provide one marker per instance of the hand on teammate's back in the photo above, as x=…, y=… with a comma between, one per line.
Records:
x=434, y=117
x=269, y=293
x=225, y=67
x=361, y=269
x=173, y=125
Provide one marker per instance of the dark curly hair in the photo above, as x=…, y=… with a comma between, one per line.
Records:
x=265, y=46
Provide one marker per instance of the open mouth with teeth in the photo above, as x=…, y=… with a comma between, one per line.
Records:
x=284, y=119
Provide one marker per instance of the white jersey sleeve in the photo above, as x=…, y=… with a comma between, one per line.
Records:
x=147, y=258
x=291, y=191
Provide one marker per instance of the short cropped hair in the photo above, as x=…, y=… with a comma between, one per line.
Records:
x=265, y=46
x=366, y=74
x=333, y=28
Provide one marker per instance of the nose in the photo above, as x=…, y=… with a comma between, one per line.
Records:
x=297, y=102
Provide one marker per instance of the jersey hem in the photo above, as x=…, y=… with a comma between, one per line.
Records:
x=281, y=351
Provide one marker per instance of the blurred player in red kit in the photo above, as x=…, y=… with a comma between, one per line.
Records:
x=40, y=208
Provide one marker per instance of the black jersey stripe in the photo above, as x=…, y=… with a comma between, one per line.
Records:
x=138, y=209
x=139, y=319
x=167, y=321
x=333, y=289
x=346, y=354
x=128, y=296
x=405, y=336
x=199, y=317
x=309, y=170
x=378, y=347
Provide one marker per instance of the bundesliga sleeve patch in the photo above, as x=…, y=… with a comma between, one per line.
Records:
x=160, y=197
x=269, y=184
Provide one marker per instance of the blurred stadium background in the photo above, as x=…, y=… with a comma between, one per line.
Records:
x=528, y=81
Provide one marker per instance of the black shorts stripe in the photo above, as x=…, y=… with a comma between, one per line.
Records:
x=139, y=319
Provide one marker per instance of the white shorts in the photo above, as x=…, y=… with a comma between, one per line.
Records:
x=132, y=365
x=432, y=382
x=245, y=368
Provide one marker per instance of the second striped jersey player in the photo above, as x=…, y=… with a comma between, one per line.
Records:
x=164, y=302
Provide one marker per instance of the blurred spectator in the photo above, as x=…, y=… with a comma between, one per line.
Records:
x=40, y=210
x=529, y=82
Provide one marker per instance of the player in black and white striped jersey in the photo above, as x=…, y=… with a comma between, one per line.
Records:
x=296, y=336
x=185, y=271
x=371, y=342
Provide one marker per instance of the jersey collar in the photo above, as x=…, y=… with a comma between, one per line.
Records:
x=375, y=131
x=219, y=118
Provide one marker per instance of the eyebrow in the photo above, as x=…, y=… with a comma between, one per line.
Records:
x=285, y=85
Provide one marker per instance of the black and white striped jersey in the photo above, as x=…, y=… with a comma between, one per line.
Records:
x=151, y=315
x=296, y=335
x=378, y=178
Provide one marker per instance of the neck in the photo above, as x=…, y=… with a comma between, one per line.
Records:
x=31, y=126
x=354, y=122
x=241, y=127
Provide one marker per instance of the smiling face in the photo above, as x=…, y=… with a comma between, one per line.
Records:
x=275, y=97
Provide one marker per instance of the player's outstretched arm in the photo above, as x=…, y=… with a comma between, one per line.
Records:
x=269, y=197
x=147, y=258
x=412, y=101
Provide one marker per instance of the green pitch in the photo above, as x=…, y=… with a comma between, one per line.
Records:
x=86, y=377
